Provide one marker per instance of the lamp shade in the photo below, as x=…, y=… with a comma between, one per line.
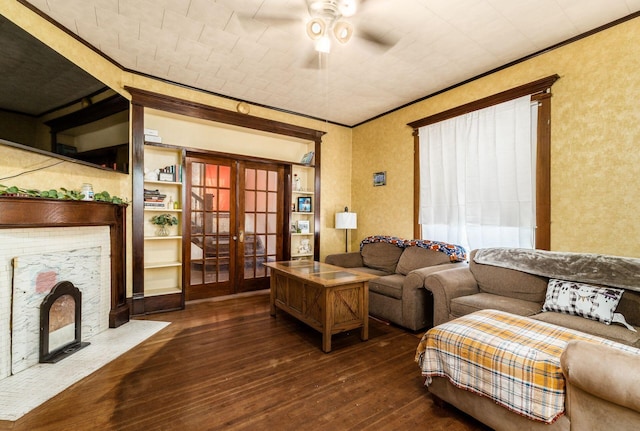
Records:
x=346, y=220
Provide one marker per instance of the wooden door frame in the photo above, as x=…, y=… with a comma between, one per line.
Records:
x=140, y=100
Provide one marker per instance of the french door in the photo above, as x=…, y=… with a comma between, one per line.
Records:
x=236, y=213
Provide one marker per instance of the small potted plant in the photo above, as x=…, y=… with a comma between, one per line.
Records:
x=162, y=221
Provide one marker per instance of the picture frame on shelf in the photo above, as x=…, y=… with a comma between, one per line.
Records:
x=304, y=204
x=307, y=158
x=304, y=247
x=303, y=226
x=166, y=176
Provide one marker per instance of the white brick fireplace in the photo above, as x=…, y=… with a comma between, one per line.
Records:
x=32, y=260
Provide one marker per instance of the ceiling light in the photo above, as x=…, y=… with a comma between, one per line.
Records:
x=316, y=28
x=323, y=44
x=343, y=30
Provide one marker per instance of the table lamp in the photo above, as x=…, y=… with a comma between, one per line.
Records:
x=346, y=220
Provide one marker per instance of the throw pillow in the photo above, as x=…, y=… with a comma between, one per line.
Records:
x=414, y=257
x=580, y=299
x=381, y=255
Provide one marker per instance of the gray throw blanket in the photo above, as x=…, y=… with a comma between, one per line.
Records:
x=615, y=271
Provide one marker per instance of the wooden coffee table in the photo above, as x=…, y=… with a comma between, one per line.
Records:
x=329, y=298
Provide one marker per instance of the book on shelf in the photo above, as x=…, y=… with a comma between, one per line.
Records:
x=154, y=204
x=154, y=197
x=153, y=194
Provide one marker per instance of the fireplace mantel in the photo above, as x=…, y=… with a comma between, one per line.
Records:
x=17, y=212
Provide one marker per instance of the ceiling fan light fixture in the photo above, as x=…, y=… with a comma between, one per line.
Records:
x=343, y=30
x=323, y=44
x=315, y=6
x=316, y=28
x=348, y=7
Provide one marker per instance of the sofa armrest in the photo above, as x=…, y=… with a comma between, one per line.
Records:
x=446, y=285
x=346, y=260
x=418, y=276
x=602, y=386
x=414, y=296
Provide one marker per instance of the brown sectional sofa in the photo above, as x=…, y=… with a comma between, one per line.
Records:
x=602, y=384
x=480, y=286
x=398, y=294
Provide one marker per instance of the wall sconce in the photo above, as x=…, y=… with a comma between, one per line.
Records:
x=346, y=220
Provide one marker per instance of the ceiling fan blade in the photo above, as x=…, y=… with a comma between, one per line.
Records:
x=383, y=41
x=294, y=14
x=366, y=4
x=269, y=19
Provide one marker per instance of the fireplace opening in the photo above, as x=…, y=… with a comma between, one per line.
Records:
x=61, y=323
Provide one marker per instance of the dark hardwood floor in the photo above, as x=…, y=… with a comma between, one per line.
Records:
x=227, y=364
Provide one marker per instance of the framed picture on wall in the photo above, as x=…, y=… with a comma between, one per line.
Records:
x=304, y=204
x=380, y=179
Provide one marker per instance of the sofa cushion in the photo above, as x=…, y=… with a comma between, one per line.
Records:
x=415, y=257
x=582, y=299
x=389, y=285
x=509, y=282
x=612, y=332
x=370, y=271
x=464, y=305
x=381, y=255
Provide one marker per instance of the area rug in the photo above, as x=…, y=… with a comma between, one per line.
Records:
x=26, y=390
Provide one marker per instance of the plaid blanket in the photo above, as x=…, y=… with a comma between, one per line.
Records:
x=511, y=359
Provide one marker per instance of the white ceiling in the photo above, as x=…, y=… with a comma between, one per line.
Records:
x=234, y=48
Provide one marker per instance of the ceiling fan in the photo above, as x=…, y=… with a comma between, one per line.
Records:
x=329, y=20
x=329, y=16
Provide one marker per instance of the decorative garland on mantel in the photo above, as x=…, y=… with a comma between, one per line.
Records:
x=62, y=194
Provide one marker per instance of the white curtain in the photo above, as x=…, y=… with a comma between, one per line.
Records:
x=477, y=177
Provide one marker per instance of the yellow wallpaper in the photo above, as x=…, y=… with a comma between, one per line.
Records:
x=595, y=164
x=335, y=186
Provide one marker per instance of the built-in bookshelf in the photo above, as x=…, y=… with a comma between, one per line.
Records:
x=163, y=196
x=303, y=226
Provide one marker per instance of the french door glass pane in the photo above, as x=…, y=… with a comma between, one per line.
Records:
x=210, y=233
x=225, y=177
x=211, y=177
x=261, y=223
x=261, y=201
x=261, y=188
x=197, y=174
x=273, y=181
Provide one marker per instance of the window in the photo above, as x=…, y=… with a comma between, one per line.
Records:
x=482, y=171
